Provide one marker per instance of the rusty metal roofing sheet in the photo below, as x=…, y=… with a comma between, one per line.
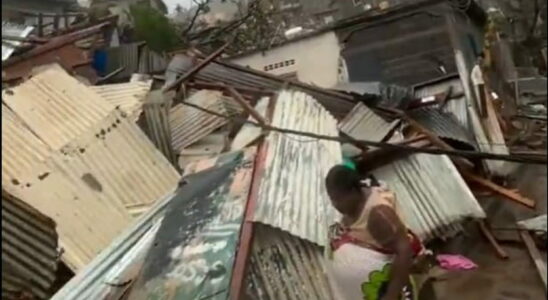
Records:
x=239, y=76
x=364, y=124
x=196, y=244
x=302, y=275
x=432, y=195
x=29, y=250
x=129, y=96
x=13, y=30
x=292, y=193
x=91, y=184
x=188, y=125
x=107, y=274
x=443, y=124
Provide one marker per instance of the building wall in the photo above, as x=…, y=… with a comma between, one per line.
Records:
x=315, y=60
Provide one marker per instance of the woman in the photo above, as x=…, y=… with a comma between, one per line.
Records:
x=372, y=251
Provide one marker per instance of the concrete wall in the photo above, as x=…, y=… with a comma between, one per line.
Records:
x=315, y=60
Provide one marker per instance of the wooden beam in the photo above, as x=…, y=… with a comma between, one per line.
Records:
x=535, y=255
x=222, y=87
x=507, y=193
x=245, y=105
x=489, y=235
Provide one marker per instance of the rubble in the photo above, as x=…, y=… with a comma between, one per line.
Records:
x=198, y=183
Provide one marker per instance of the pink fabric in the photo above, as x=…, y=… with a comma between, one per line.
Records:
x=455, y=262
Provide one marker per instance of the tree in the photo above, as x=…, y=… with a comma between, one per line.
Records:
x=153, y=27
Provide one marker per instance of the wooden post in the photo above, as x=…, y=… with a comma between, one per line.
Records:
x=489, y=235
x=40, y=24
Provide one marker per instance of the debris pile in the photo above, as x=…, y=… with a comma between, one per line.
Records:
x=199, y=183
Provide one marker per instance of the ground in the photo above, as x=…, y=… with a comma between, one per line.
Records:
x=496, y=279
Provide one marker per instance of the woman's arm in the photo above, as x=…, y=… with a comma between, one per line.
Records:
x=387, y=229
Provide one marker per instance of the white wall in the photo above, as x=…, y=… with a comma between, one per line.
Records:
x=316, y=59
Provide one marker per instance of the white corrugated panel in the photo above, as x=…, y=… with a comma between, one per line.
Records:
x=292, y=194
x=56, y=106
x=13, y=30
x=432, y=195
x=129, y=96
x=21, y=150
x=91, y=184
x=363, y=124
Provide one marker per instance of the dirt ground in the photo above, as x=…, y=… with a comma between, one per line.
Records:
x=497, y=279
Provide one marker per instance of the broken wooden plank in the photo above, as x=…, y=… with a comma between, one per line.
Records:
x=489, y=235
x=540, y=264
x=507, y=193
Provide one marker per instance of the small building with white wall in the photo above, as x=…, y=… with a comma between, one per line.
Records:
x=313, y=59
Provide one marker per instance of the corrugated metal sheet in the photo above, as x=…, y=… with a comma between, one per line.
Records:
x=157, y=108
x=285, y=267
x=364, y=124
x=127, y=56
x=196, y=244
x=238, y=76
x=107, y=274
x=29, y=250
x=432, y=195
x=443, y=124
x=56, y=106
x=189, y=125
x=129, y=96
x=93, y=181
x=13, y=30
x=292, y=193
x=151, y=62
x=457, y=106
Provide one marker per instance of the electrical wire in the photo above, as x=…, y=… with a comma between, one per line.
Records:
x=529, y=159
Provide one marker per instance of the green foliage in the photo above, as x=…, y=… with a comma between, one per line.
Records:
x=151, y=26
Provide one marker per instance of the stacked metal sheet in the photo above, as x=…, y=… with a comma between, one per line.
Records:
x=432, y=195
x=77, y=159
x=29, y=250
x=302, y=275
x=292, y=194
